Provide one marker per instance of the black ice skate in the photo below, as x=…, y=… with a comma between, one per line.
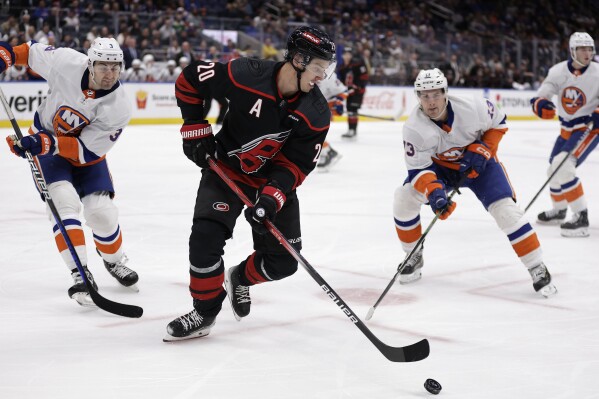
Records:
x=188, y=326
x=578, y=226
x=239, y=295
x=541, y=280
x=328, y=159
x=552, y=216
x=79, y=291
x=125, y=276
x=350, y=134
x=412, y=270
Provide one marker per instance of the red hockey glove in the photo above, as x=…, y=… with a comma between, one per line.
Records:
x=270, y=200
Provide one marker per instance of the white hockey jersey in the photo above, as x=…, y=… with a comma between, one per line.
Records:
x=95, y=118
x=469, y=119
x=577, y=95
x=331, y=87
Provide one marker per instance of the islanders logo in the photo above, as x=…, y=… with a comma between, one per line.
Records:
x=68, y=122
x=572, y=99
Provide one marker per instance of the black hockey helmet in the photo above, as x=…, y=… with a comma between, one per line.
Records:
x=310, y=42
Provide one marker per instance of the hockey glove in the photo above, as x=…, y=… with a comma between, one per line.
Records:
x=336, y=105
x=270, y=200
x=41, y=143
x=7, y=56
x=437, y=198
x=544, y=108
x=198, y=141
x=595, y=120
x=475, y=158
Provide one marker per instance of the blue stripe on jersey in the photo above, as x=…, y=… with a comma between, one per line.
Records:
x=88, y=156
x=570, y=183
x=409, y=223
x=68, y=222
x=520, y=232
x=576, y=121
x=110, y=237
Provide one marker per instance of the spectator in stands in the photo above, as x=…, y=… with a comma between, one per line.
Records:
x=152, y=72
x=130, y=51
x=136, y=73
x=173, y=49
x=269, y=52
x=169, y=74
x=40, y=13
x=185, y=52
x=71, y=22
x=25, y=26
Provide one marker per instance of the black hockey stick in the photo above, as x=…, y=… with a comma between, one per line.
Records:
x=416, y=248
x=584, y=135
x=412, y=353
x=120, y=309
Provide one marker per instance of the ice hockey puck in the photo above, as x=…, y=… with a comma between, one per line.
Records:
x=432, y=386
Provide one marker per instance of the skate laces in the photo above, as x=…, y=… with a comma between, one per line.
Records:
x=537, y=273
x=553, y=212
x=119, y=267
x=242, y=294
x=77, y=276
x=191, y=320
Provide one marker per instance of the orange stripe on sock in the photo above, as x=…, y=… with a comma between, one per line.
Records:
x=409, y=236
x=527, y=245
x=558, y=197
x=573, y=195
x=110, y=248
x=77, y=238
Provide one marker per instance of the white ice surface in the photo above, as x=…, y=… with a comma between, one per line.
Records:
x=491, y=335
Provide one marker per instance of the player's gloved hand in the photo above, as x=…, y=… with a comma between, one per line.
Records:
x=7, y=56
x=40, y=143
x=198, y=141
x=544, y=108
x=437, y=198
x=336, y=105
x=270, y=200
x=475, y=158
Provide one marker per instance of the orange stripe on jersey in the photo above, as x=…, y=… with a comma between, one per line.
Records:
x=583, y=146
x=565, y=134
x=423, y=181
x=68, y=147
x=527, y=245
x=408, y=236
x=110, y=248
x=492, y=137
x=77, y=238
x=574, y=194
x=21, y=54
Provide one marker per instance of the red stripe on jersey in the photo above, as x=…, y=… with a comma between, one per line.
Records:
x=183, y=84
x=185, y=92
x=245, y=87
x=305, y=118
x=282, y=160
x=238, y=177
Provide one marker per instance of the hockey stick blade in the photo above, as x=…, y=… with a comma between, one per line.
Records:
x=119, y=309
x=412, y=353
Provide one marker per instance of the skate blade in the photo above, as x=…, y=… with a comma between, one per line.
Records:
x=84, y=299
x=327, y=168
x=548, y=290
x=199, y=334
x=132, y=287
x=582, y=232
x=551, y=222
x=410, y=278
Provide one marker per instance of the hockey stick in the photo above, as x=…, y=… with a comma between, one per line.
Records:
x=120, y=309
x=585, y=134
x=412, y=353
x=416, y=248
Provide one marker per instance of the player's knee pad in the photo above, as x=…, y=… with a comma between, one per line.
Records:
x=206, y=242
x=279, y=266
x=506, y=213
x=407, y=202
x=66, y=200
x=100, y=213
x=567, y=172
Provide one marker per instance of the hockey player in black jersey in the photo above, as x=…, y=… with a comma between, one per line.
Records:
x=354, y=74
x=269, y=142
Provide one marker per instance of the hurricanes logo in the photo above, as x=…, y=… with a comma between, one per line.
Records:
x=68, y=122
x=253, y=155
x=572, y=99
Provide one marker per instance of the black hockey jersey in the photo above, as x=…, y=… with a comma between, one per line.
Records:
x=354, y=75
x=264, y=136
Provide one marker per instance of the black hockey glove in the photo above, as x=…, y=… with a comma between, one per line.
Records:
x=270, y=200
x=198, y=141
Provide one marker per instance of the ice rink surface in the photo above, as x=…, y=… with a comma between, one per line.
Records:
x=491, y=335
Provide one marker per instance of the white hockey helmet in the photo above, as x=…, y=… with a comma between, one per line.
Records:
x=580, y=39
x=430, y=79
x=105, y=49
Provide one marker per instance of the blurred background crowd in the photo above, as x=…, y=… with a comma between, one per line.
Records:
x=508, y=44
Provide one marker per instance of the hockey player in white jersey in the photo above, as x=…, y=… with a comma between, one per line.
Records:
x=451, y=141
x=335, y=92
x=80, y=120
x=576, y=84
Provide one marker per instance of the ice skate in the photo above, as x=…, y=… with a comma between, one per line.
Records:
x=239, y=295
x=541, y=280
x=412, y=271
x=578, y=226
x=350, y=134
x=125, y=276
x=552, y=216
x=188, y=326
x=328, y=159
x=78, y=291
